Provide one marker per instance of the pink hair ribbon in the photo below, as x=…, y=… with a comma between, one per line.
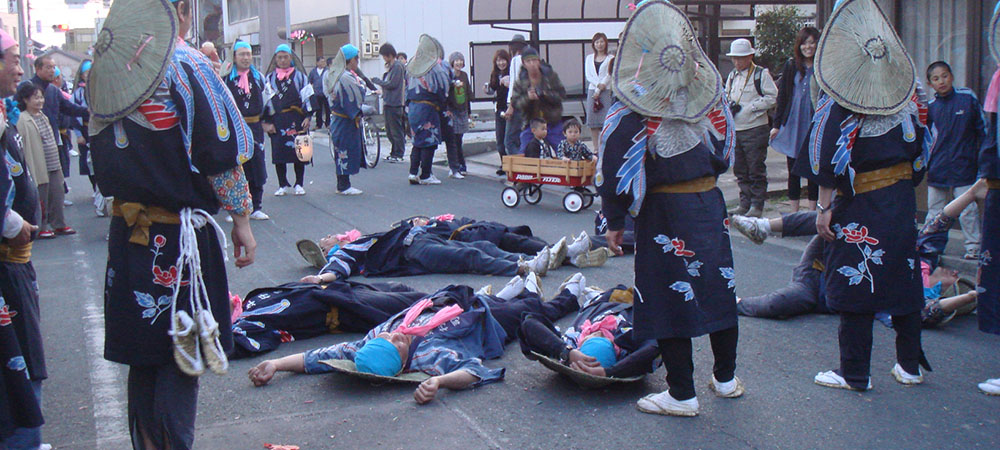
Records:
x=440, y=317
x=349, y=236
x=605, y=327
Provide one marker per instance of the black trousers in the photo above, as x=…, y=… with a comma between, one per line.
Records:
x=510, y=313
x=855, y=337
x=343, y=182
x=322, y=110
x=395, y=117
x=678, y=361
x=456, y=155
x=501, y=133
x=421, y=160
x=519, y=243
x=795, y=184
x=162, y=405
x=282, y=171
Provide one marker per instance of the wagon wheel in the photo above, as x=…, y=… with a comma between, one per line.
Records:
x=532, y=194
x=573, y=202
x=588, y=200
x=509, y=197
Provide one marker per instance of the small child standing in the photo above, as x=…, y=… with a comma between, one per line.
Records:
x=538, y=147
x=572, y=149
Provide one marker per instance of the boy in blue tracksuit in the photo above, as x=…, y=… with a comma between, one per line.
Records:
x=958, y=118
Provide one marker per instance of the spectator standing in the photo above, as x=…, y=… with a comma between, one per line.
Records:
x=596, y=67
x=515, y=121
x=39, y=141
x=20, y=344
x=460, y=107
x=285, y=117
x=538, y=94
x=393, y=86
x=56, y=106
x=320, y=103
x=83, y=140
x=499, y=86
x=793, y=116
x=957, y=116
x=751, y=92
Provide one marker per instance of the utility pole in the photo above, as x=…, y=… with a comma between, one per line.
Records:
x=22, y=33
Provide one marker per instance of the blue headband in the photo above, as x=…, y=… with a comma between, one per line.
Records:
x=241, y=44
x=378, y=356
x=602, y=349
x=85, y=66
x=349, y=51
x=58, y=72
x=283, y=48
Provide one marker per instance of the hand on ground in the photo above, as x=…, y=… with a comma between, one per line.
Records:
x=426, y=391
x=262, y=373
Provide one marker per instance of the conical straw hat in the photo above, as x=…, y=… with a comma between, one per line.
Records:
x=660, y=69
x=994, y=34
x=130, y=57
x=296, y=63
x=861, y=62
x=347, y=367
x=429, y=52
x=337, y=68
x=583, y=379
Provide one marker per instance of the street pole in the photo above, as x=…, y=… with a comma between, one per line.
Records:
x=22, y=33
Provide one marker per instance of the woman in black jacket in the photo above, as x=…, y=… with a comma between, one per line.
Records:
x=499, y=85
x=793, y=117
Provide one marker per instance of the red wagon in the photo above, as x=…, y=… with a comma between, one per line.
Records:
x=529, y=174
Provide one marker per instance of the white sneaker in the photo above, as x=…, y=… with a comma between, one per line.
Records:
x=831, y=379
x=282, y=191
x=580, y=245
x=455, y=175
x=664, y=404
x=730, y=389
x=751, y=227
x=558, y=254
x=532, y=284
x=540, y=263
x=485, y=290
x=258, y=215
x=229, y=218
x=413, y=179
x=593, y=258
x=904, y=377
x=575, y=284
x=67, y=203
x=299, y=190
x=513, y=288
x=351, y=191
x=74, y=153
x=990, y=386
x=430, y=180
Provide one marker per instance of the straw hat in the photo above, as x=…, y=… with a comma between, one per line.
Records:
x=347, y=367
x=296, y=62
x=429, y=52
x=333, y=73
x=993, y=32
x=131, y=55
x=660, y=69
x=860, y=61
x=583, y=379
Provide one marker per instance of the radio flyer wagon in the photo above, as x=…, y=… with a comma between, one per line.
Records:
x=529, y=174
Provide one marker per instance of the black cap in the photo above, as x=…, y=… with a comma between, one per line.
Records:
x=529, y=53
x=518, y=38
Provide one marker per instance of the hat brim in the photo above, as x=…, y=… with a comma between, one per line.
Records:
x=751, y=53
x=429, y=53
x=661, y=70
x=133, y=48
x=861, y=63
x=347, y=367
x=333, y=74
x=583, y=379
x=994, y=34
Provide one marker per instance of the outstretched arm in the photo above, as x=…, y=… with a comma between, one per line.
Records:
x=459, y=379
x=262, y=373
x=956, y=206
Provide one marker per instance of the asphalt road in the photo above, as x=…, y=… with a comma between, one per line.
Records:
x=84, y=398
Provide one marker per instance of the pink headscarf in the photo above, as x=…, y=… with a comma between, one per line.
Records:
x=283, y=74
x=243, y=82
x=349, y=236
x=445, y=218
x=605, y=327
x=440, y=317
x=6, y=41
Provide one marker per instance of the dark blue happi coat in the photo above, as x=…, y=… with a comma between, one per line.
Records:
x=684, y=277
x=872, y=266
x=286, y=110
x=296, y=311
x=988, y=310
x=251, y=105
x=427, y=99
x=345, y=133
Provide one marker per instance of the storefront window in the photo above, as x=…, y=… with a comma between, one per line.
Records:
x=240, y=10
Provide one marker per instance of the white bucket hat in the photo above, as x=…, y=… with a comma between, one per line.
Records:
x=741, y=47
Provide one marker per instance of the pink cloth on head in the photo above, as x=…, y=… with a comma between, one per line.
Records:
x=605, y=327
x=283, y=74
x=243, y=82
x=440, y=317
x=993, y=93
x=237, y=306
x=349, y=236
x=6, y=41
x=445, y=218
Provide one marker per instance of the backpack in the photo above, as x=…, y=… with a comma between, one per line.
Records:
x=758, y=73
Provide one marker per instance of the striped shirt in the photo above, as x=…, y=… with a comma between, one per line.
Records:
x=48, y=142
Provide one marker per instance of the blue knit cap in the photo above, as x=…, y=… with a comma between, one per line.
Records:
x=350, y=51
x=378, y=356
x=602, y=349
x=241, y=44
x=85, y=66
x=283, y=48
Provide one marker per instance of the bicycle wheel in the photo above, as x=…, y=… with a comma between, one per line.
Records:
x=372, y=143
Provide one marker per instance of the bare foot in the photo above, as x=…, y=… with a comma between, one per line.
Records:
x=262, y=373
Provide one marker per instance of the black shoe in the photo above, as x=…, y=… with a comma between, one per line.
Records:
x=501, y=173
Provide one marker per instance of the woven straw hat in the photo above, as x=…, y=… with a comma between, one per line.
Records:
x=429, y=52
x=994, y=34
x=347, y=367
x=660, y=69
x=130, y=57
x=861, y=62
x=583, y=379
x=336, y=69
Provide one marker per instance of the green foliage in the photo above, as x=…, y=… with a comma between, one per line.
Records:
x=775, y=36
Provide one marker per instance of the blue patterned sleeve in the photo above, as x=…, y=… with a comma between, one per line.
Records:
x=435, y=359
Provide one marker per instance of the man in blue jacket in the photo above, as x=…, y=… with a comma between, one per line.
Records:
x=958, y=118
x=57, y=106
x=320, y=102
